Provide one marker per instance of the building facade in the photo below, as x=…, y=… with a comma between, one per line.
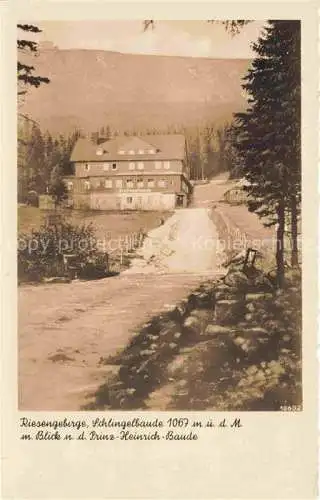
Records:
x=130, y=173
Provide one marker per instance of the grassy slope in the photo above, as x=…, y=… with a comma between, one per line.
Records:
x=107, y=224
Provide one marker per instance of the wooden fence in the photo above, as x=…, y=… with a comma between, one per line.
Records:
x=118, y=257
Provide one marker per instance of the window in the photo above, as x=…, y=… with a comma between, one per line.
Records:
x=108, y=183
x=87, y=167
x=158, y=165
x=87, y=185
x=150, y=183
x=131, y=152
x=121, y=152
x=140, y=183
x=114, y=166
x=141, y=152
x=106, y=166
x=70, y=186
x=99, y=152
x=151, y=151
x=129, y=183
x=129, y=199
x=166, y=165
x=162, y=183
x=119, y=183
x=132, y=165
x=140, y=165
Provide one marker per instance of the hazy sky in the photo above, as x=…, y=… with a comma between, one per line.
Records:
x=184, y=38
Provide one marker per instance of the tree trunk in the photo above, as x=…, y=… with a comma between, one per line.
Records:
x=294, y=233
x=280, y=245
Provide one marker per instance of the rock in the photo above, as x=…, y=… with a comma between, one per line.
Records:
x=237, y=279
x=182, y=307
x=177, y=365
x=168, y=331
x=239, y=341
x=173, y=346
x=293, y=275
x=250, y=307
x=285, y=351
x=258, y=297
x=223, y=287
x=263, y=283
x=192, y=326
x=172, y=312
x=185, y=350
x=256, y=331
x=182, y=383
x=276, y=367
x=147, y=352
x=223, y=292
x=202, y=314
x=216, y=330
x=228, y=312
x=153, y=338
x=203, y=300
x=146, y=326
x=191, y=302
x=252, y=370
x=286, y=338
x=131, y=391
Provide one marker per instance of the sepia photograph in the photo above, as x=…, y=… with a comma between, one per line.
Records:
x=159, y=252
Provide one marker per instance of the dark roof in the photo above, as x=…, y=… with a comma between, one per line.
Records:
x=166, y=147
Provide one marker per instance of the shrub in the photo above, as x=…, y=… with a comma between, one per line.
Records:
x=40, y=253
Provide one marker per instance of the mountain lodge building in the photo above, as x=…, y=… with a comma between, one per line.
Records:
x=130, y=173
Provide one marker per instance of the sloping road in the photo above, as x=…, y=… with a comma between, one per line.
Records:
x=64, y=330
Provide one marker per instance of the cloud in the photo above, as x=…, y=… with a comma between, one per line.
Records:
x=168, y=38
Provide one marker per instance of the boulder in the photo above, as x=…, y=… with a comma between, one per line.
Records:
x=192, y=326
x=256, y=331
x=238, y=280
x=293, y=275
x=204, y=300
x=172, y=312
x=238, y=341
x=217, y=330
x=228, y=312
x=191, y=304
x=173, y=347
x=204, y=316
x=250, y=307
x=263, y=283
x=178, y=365
x=168, y=331
x=182, y=307
x=258, y=297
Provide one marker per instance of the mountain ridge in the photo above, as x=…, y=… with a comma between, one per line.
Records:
x=92, y=88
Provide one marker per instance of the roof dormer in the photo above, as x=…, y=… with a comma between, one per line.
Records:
x=100, y=151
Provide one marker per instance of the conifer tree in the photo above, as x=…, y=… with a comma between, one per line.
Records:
x=25, y=71
x=269, y=131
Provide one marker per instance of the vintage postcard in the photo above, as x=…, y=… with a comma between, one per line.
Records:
x=160, y=249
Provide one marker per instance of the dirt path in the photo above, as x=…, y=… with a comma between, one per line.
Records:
x=64, y=330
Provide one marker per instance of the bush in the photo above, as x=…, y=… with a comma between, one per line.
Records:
x=40, y=253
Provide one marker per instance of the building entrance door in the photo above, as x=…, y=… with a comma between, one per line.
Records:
x=179, y=200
